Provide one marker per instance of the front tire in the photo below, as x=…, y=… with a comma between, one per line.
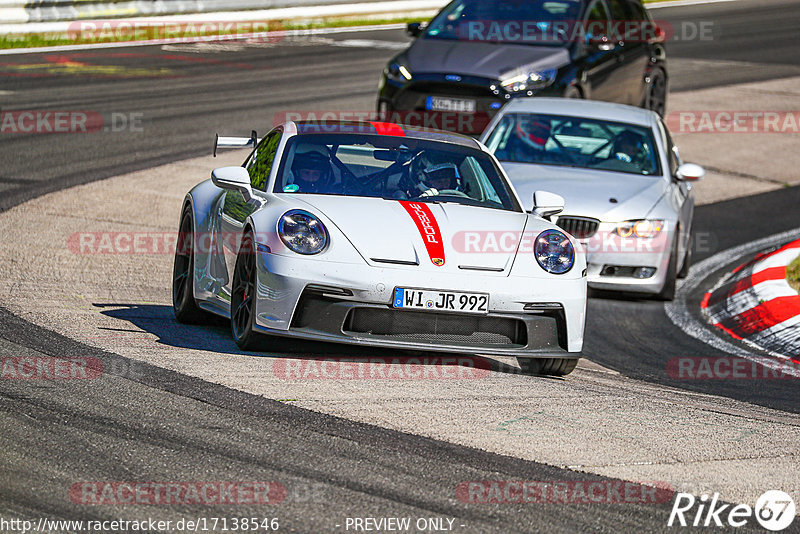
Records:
x=183, y=303
x=573, y=92
x=687, y=260
x=243, y=296
x=547, y=366
x=670, y=283
x=655, y=96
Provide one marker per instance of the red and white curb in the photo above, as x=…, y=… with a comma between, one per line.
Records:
x=683, y=311
x=757, y=305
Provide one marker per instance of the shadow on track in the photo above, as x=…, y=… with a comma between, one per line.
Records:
x=160, y=321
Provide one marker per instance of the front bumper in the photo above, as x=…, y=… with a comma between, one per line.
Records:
x=347, y=303
x=601, y=263
x=412, y=97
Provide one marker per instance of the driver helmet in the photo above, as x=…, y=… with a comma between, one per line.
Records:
x=533, y=131
x=311, y=168
x=437, y=171
x=628, y=145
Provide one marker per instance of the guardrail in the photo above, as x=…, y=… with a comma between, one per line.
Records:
x=22, y=11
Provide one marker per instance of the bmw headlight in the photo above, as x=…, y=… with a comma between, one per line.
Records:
x=644, y=229
x=554, y=252
x=302, y=232
x=398, y=73
x=529, y=81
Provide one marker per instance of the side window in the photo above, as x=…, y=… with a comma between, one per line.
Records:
x=639, y=12
x=597, y=20
x=263, y=158
x=619, y=10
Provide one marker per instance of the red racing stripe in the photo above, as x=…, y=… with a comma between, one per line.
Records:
x=428, y=228
x=762, y=317
x=387, y=128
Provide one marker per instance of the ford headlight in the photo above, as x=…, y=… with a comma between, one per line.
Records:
x=529, y=81
x=302, y=232
x=644, y=229
x=554, y=252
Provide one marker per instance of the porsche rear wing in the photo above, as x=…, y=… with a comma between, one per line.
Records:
x=236, y=142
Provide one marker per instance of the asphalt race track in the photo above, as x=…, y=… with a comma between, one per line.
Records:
x=157, y=424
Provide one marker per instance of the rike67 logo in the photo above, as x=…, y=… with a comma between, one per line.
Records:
x=774, y=511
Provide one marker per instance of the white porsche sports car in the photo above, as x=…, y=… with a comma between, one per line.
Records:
x=376, y=234
x=629, y=196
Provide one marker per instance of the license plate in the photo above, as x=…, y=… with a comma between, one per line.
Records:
x=448, y=301
x=437, y=103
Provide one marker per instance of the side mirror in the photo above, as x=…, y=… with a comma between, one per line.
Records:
x=233, y=179
x=689, y=172
x=415, y=29
x=545, y=204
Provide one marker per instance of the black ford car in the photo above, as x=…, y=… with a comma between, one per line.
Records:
x=476, y=55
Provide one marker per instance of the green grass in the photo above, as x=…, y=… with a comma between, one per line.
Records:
x=36, y=40
x=793, y=274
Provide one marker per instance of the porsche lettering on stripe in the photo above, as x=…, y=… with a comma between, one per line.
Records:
x=429, y=230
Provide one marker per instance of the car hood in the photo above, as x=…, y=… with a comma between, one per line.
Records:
x=588, y=193
x=486, y=60
x=386, y=234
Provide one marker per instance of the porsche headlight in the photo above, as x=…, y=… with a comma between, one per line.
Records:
x=529, y=81
x=644, y=228
x=554, y=252
x=398, y=73
x=302, y=232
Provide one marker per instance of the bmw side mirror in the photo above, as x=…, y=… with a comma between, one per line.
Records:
x=689, y=172
x=233, y=179
x=546, y=204
x=415, y=29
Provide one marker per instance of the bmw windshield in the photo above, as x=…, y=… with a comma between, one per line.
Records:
x=575, y=142
x=506, y=21
x=393, y=168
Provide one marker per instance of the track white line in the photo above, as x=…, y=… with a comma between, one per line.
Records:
x=249, y=16
x=205, y=39
x=678, y=310
x=682, y=3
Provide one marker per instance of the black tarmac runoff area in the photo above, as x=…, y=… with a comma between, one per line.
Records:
x=161, y=104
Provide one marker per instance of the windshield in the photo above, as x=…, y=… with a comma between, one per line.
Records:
x=506, y=21
x=575, y=142
x=393, y=168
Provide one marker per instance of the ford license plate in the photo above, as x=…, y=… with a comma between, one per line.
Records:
x=441, y=301
x=458, y=105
